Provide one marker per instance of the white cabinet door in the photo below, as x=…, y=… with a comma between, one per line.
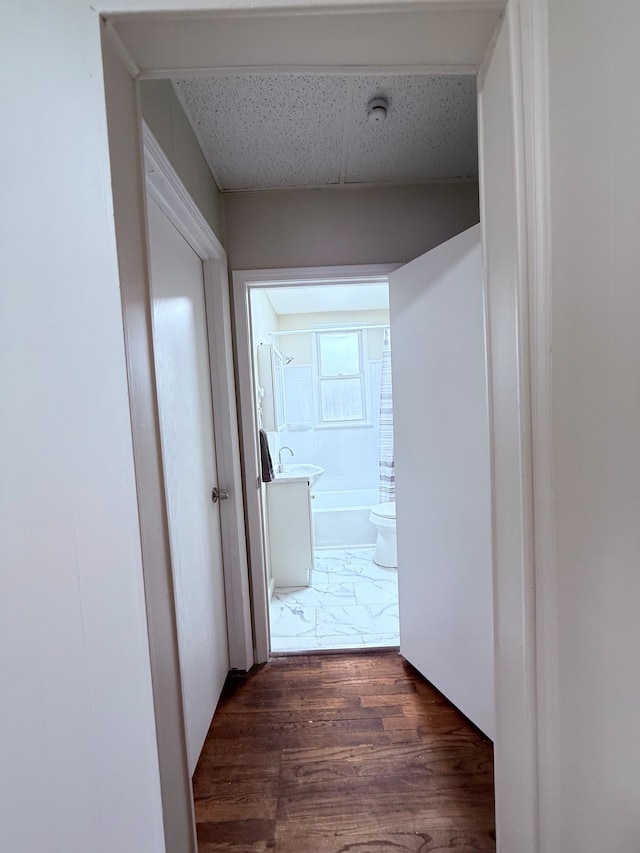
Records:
x=290, y=532
x=442, y=473
x=188, y=452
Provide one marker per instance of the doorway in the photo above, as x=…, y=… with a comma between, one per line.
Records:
x=319, y=355
x=443, y=564
x=181, y=353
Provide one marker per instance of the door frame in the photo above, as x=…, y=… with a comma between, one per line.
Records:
x=525, y=618
x=166, y=188
x=243, y=282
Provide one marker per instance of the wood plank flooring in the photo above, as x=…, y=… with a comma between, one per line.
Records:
x=344, y=753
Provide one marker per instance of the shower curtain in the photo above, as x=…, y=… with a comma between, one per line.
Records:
x=387, y=476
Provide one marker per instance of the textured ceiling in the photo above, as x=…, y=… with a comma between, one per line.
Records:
x=269, y=131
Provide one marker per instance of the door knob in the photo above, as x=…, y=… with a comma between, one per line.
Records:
x=219, y=494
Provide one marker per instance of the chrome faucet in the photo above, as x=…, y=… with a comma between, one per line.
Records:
x=280, y=468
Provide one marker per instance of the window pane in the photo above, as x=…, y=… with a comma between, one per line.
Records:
x=339, y=354
x=341, y=400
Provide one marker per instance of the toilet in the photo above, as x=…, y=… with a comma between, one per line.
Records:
x=383, y=517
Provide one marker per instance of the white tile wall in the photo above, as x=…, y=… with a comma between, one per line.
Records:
x=348, y=455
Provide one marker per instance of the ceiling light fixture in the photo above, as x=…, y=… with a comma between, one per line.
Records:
x=377, y=109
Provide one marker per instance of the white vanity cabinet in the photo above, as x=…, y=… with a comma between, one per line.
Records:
x=290, y=531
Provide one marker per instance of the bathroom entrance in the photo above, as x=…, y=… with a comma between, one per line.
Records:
x=440, y=466
x=323, y=406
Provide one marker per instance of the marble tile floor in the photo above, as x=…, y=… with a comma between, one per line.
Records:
x=351, y=603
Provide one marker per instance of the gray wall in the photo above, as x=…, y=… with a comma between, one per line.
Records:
x=308, y=227
x=344, y=226
x=163, y=112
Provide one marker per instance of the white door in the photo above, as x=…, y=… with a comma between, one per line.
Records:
x=442, y=470
x=181, y=356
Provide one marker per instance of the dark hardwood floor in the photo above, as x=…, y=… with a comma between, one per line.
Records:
x=342, y=753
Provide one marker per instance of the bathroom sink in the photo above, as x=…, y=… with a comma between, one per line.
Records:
x=300, y=471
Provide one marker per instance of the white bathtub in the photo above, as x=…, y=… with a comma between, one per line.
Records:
x=341, y=519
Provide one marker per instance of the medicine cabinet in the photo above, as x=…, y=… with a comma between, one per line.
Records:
x=271, y=379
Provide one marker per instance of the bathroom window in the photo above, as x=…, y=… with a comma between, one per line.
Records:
x=341, y=388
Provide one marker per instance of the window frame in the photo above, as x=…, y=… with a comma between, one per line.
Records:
x=362, y=375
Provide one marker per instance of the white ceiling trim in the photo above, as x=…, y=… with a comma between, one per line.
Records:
x=411, y=34
x=365, y=185
x=119, y=11
x=316, y=276
x=324, y=70
x=120, y=47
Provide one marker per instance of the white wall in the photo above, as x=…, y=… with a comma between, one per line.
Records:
x=163, y=112
x=344, y=226
x=76, y=716
x=595, y=311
